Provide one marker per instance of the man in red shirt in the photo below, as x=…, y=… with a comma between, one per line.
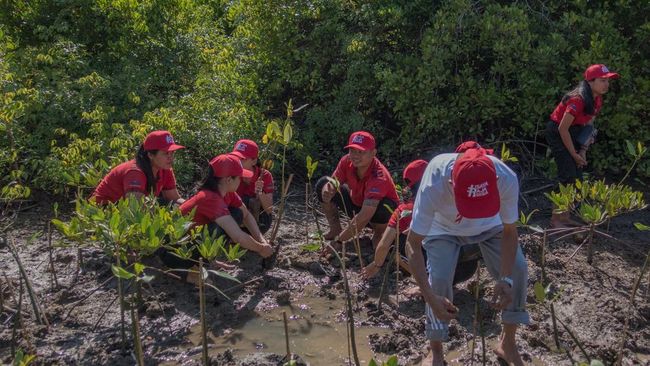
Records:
x=366, y=188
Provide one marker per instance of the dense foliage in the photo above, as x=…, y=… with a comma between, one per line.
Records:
x=83, y=81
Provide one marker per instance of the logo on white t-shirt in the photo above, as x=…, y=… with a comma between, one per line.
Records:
x=477, y=190
x=358, y=139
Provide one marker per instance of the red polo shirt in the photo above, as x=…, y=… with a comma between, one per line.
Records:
x=575, y=107
x=210, y=205
x=248, y=189
x=375, y=184
x=404, y=219
x=127, y=177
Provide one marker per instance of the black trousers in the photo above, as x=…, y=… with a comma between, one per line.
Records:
x=264, y=219
x=172, y=261
x=567, y=170
x=381, y=216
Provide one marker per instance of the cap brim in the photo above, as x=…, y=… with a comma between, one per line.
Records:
x=174, y=147
x=356, y=147
x=238, y=154
x=611, y=75
x=247, y=173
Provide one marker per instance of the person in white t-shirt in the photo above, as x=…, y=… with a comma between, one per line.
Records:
x=468, y=197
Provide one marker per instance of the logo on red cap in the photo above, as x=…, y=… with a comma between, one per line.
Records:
x=246, y=149
x=475, y=185
x=361, y=140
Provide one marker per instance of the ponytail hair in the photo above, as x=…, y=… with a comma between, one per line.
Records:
x=209, y=182
x=143, y=162
x=583, y=90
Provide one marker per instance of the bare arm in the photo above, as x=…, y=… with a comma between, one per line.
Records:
x=266, y=200
x=380, y=253
x=563, y=129
x=173, y=196
x=251, y=225
x=230, y=226
x=442, y=308
x=360, y=220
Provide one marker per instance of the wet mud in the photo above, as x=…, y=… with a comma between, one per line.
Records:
x=246, y=327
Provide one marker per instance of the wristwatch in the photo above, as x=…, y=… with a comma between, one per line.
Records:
x=507, y=280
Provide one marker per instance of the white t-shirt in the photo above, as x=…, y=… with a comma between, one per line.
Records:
x=435, y=210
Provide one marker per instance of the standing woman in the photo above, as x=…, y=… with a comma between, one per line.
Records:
x=218, y=205
x=149, y=173
x=256, y=192
x=571, y=130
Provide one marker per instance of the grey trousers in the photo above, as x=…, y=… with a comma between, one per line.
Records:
x=442, y=254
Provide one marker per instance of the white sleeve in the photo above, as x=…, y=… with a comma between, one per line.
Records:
x=509, y=193
x=423, y=210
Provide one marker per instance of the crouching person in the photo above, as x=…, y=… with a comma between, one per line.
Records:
x=366, y=189
x=256, y=192
x=464, y=198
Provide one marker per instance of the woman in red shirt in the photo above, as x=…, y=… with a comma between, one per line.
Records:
x=256, y=192
x=570, y=130
x=219, y=206
x=149, y=173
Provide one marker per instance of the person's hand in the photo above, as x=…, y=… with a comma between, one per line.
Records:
x=266, y=250
x=369, y=271
x=217, y=265
x=328, y=192
x=442, y=308
x=502, y=295
x=259, y=184
x=580, y=161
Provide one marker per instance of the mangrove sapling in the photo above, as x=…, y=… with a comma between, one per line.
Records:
x=391, y=361
x=22, y=359
x=137, y=343
x=18, y=318
x=348, y=301
x=337, y=186
x=288, y=356
x=626, y=327
x=477, y=323
x=204, y=328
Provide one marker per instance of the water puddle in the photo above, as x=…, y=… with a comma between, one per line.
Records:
x=315, y=333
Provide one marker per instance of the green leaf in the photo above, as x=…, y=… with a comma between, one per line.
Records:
x=540, y=292
x=641, y=226
x=122, y=273
x=288, y=133
x=139, y=267
x=224, y=275
x=630, y=147
x=596, y=363
x=313, y=247
x=372, y=362
x=392, y=361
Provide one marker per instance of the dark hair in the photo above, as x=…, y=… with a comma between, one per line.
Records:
x=144, y=163
x=415, y=188
x=210, y=182
x=583, y=90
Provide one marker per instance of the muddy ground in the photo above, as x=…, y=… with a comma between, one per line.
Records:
x=593, y=302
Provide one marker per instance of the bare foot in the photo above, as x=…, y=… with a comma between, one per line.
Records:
x=508, y=352
x=413, y=291
x=430, y=360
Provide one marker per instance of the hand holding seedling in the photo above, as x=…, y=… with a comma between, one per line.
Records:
x=442, y=308
x=258, y=186
x=502, y=295
x=266, y=250
x=328, y=192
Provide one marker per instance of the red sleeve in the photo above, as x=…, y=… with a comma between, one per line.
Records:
x=267, y=179
x=377, y=186
x=392, y=222
x=134, y=181
x=574, y=106
x=339, y=172
x=168, y=180
x=232, y=199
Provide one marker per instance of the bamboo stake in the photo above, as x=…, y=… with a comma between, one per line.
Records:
x=204, y=330
x=283, y=200
x=397, y=264
x=286, y=333
x=18, y=319
x=36, y=306
x=477, y=289
x=55, y=281
x=137, y=344
x=120, y=295
x=619, y=357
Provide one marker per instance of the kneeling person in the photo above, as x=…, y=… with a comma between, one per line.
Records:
x=218, y=205
x=366, y=189
x=256, y=192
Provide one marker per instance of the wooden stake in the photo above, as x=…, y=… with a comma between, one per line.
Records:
x=204, y=329
x=286, y=334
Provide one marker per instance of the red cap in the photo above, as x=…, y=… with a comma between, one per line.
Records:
x=475, y=185
x=414, y=171
x=246, y=149
x=472, y=145
x=228, y=165
x=361, y=140
x=161, y=140
x=599, y=71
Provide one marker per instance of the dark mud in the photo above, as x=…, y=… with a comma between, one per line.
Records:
x=593, y=303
